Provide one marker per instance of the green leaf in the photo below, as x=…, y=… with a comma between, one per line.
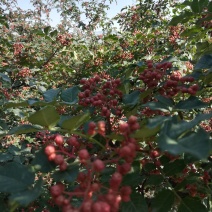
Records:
x=155, y=180
x=146, y=132
x=27, y=196
x=191, y=103
x=166, y=101
x=182, y=18
x=190, y=32
x=23, y=129
x=140, y=63
x=191, y=205
x=5, y=77
x=51, y=95
x=203, y=4
x=176, y=130
x=195, y=6
x=137, y=204
x=46, y=30
x=41, y=162
x=38, y=32
x=207, y=78
x=4, y=204
x=115, y=136
x=169, y=59
x=4, y=156
x=148, y=167
x=106, y=174
x=3, y=125
x=168, y=144
x=174, y=167
x=204, y=62
x=47, y=117
x=111, y=37
x=146, y=93
x=210, y=6
x=16, y=104
x=132, y=99
x=157, y=121
x=198, y=5
x=70, y=95
x=33, y=101
x=14, y=150
x=157, y=106
x=133, y=178
x=69, y=175
x=53, y=33
x=15, y=177
x=163, y=201
x=202, y=46
x=75, y=122
x=196, y=144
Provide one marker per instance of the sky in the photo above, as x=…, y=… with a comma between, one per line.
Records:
x=115, y=8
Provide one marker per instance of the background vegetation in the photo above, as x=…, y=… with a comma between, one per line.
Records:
x=119, y=121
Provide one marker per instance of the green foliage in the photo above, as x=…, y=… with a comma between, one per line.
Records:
x=189, y=204
x=47, y=117
x=70, y=95
x=69, y=175
x=27, y=196
x=163, y=201
x=121, y=120
x=41, y=163
x=75, y=122
x=197, y=144
x=138, y=203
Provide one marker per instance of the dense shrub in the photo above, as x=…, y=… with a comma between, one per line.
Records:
x=115, y=122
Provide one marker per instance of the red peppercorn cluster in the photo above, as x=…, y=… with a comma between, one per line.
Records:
x=126, y=56
x=56, y=192
x=93, y=199
x=193, y=189
x=206, y=177
x=96, y=197
x=98, y=62
x=90, y=189
x=128, y=149
x=174, y=33
x=154, y=76
x=124, y=44
x=102, y=95
x=207, y=24
x=135, y=18
x=44, y=136
x=176, y=84
x=64, y=39
x=207, y=125
x=189, y=65
x=123, y=55
x=94, y=128
x=61, y=109
x=5, y=93
x=23, y=73
x=152, y=157
x=48, y=67
x=58, y=148
x=18, y=48
x=147, y=112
